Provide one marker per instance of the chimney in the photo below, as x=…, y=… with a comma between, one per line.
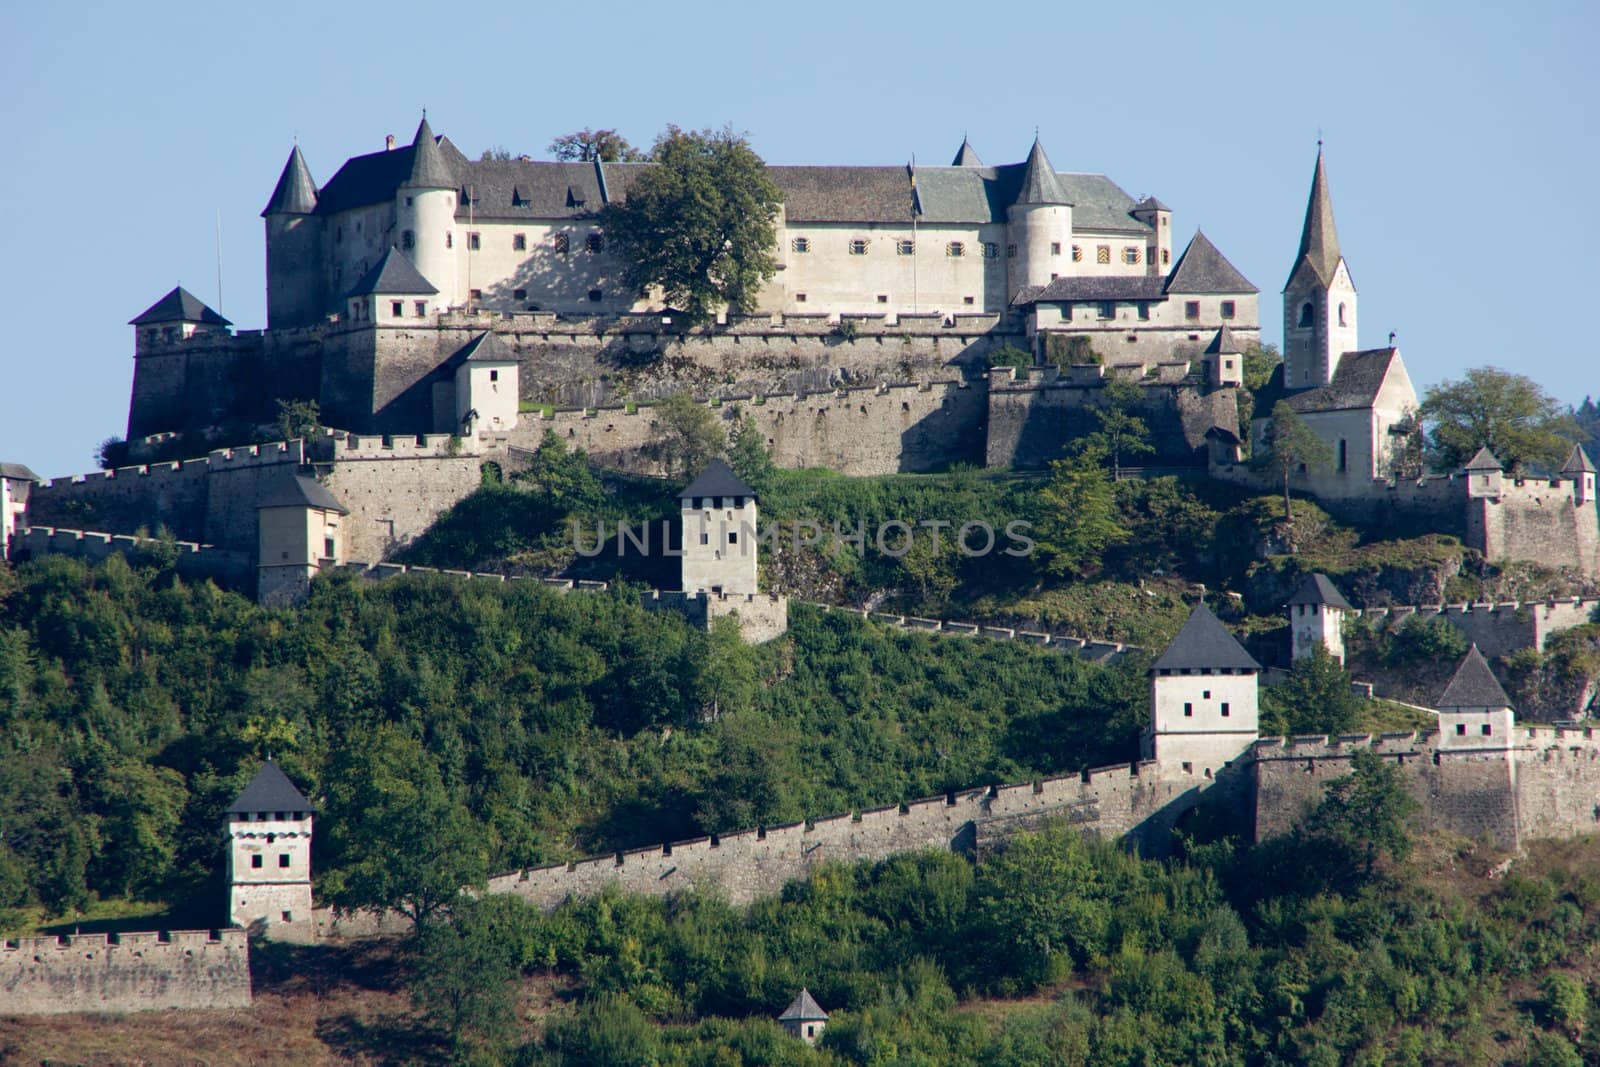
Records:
x=388, y=143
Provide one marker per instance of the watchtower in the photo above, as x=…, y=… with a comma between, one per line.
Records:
x=804, y=1018
x=299, y=524
x=719, y=533
x=1474, y=713
x=1485, y=475
x=269, y=858
x=1317, y=612
x=1203, y=710
x=1580, y=471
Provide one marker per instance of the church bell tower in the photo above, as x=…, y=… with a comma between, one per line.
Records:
x=1319, y=299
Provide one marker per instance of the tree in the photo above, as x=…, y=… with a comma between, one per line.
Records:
x=1564, y=1002
x=298, y=419
x=112, y=452
x=1363, y=816
x=496, y=154
x=1290, y=446
x=586, y=145
x=1121, y=432
x=1260, y=360
x=1316, y=699
x=1010, y=356
x=1078, y=514
x=699, y=225
x=748, y=454
x=689, y=436
x=563, y=477
x=466, y=970
x=1504, y=412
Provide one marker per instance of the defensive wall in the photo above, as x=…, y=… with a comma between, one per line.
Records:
x=1498, y=629
x=125, y=972
x=194, y=562
x=1537, y=519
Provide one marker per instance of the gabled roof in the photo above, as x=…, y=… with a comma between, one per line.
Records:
x=1223, y=342
x=180, y=305
x=1039, y=182
x=393, y=274
x=16, y=472
x=1204, y=644
x=1355, y=383
x=295, y=193
x=1316, y=589
x=269, y=790
x=1578, y=462
x=1483, y=460
x=717, y=479
x=1150, y=203
x=300, y=491
x=484, y=348
x=965, y=156
x=1474, y=685
x=1204, y=269
x=1319, y=239
x=803, y=1009
x=429, y=168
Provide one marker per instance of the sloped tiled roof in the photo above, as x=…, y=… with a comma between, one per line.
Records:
x=1204, y=644
x=269, y=790
x=301, y=491
x=1316, y=589
x=1474, y=685
x=1040, y=185
x=803, y=1009
x=484, y=348
x=1578, y=462
x=180, y=305
x=1319, y=238
x=1483, y=460
x=1150, y=203
x=717, y=479
x=429, y=167
x=966, y=156
x=1113, y=287
x=1204, y=269
x=1222, y=343
x=295, y=193
x=393, y=274
x=1355, y=384
x=16, y=472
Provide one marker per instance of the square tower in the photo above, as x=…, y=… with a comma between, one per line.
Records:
x=1317, y=612
x=1203, y=710
x=719, y=533
x=804, y=1018
x=269, y=858
x=1475, y=714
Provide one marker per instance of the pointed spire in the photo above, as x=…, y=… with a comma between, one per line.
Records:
x=1223, y=343
x=965, y=156
x=1578, y=462
x=1040, y=185
x=1319, y=238
x=295, y=193
x=1205, y=645
x=429, y=169
x=1483, y=460
x=1474, y=685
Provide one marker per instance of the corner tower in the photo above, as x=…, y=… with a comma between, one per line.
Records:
x=719, y=533
x=269, y=858
x=1319, y=299
x=294, y=248
x=1316, y=617
x=1203, y=710
x=425, y=209
x=1039, y=224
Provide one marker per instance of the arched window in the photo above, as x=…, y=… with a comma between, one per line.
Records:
x=1306, y=312
x=1341, y=316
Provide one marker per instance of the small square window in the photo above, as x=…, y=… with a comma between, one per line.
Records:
x=800, y=245
x=799, y=298
x=596, y=242
x=256, y=862
x=1077, y=253
x=1188, y=711
x=286, y=916
x=474, y=242
x=883, y=298
x=991, y=250
x=1188, y=768
x=1227, y=309
x=519, y=242
x=1487, y=730
x=1102, y=254
x=475, y=294
x=1461, y=729
x=968, y=300
x=733, y=537
x=408, y=240
x=956, y=249
x=283, y=859
x=858, y=246
x=560, y=242
x=1191, y=309
x=1205, y=694
x=596, y=295
x=519, y=294
x=1130, y=256
x=494, y=376
x=397, y=308
x=1011, y=251
x=1055, y=248
x=904, y=247
x=421, y=307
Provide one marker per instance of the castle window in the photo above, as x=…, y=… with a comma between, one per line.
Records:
x=494, y=376
x=1225, y=709
x=422, y=308
x=1487, y=730
x=705, y=539
x=1166, y=253
x=1344, y=455
x=991, y=250
x=1191, y=309
x=858, y=246
x=287, y=916
x=799, y=298
x=1077, y=253
x=408, y=239
x=397, y=308
x=905, y=247
x=956, y=249
x=1205, y=694
x=883, y=298
x=1227, y=309
x=1055, y=248
x=475, y=294
x=519, y=294
x=733, y=537
x=1341, y=316
x=1306, y=314
x=1144, y=311
x=1130, y=256
x=255, y=861
x=1108, y=309
x=1150, y=254
x=800, y=245
x=1461, y=729
x=410, y=200
x=519, y=242
x=328, y=548
x=1188, y=711
x=474, y=242
x=449, y=239
x=596, y=295
x=560, y=242
x=1011, y=251
x=1102, y=254
x=283, y=859
x=596, y=242
x=968, y=300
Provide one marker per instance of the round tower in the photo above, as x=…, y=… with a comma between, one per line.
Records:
x=295, y=295
x=425, y=209
x=1039, y=230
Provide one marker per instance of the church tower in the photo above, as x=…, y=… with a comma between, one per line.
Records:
x=425, y=207
x=1319, y=299
x=294, y=248
x=269, y=858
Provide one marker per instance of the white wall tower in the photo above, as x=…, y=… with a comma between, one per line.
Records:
x=1317, y=612
x=269, y=858
x=719, y=533
x=1040, y=226
x=425, y=210
x=1203, y=710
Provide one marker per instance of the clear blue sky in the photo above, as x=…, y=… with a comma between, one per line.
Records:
x=1462, y=147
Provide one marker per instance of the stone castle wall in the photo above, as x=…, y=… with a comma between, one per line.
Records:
x=1497, y=629
x=124, y=972
x=195, y=562
x=396, y=487
x=1536, y=519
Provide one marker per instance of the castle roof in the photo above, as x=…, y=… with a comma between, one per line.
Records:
x=1204, y=269
x=965, y=156
x=717, y=479
x=269, y=790
x=1578, y=462
x=1039, y=182
x=1091, y=288
x=295, y=193
x=1316, y=589
x=1319, y=239
x=803, y=1009
x=1356, y=383
x=1204, y=644
x=180, y=305
x=1150, y=203
x=1222, y=342
x=484, y=348
x=1474, y=685
x=1483, y=460
x=16, y=472
x=301, y=491
x=393, y=274
x=429, y=167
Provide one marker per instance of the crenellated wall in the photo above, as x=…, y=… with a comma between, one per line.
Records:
x=194, y=562
x=1496, y=628
x=124, y=972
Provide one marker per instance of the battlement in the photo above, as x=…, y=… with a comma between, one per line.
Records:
x=125, y=972
x=1343, y=746
x=349, y=447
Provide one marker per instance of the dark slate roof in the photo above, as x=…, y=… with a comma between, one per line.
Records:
x=1204, y=269
x=429, y=167
x=1316, y=589
x=295, y=193
x=269, y=790
x=1199, y=416
x=1474, y=685
x=484, y=348
x=1319, y=238
x=1578, y=462
x=965, y=156
x=1040, y=185
x=393, y=274
x=1483, y=460
x=1223, y=342
x=1355, y=384
x=844, y=194
x=1204, y=644
x=803, y=1009
x=1113, y=287
x=1150, y=203
x=16, y=472
x=301, y=491
x=717, y=479
x=180, y=305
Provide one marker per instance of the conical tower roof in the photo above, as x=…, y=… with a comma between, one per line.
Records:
x=295, y=193
x=429, y=169
x=1578, y=462
x=1040, y=184
x=718, y=479
x=965, y=156
x=1474, y=685
x=803, y=1009
x=269, y=790
x=1204, y=644
x=1319, y=238
x=1223, y=342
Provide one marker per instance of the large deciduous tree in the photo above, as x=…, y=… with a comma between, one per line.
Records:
x=699, y=225
x=1078, y=517
x=1490, y=408
x=1290, y=446
x=586, y=145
